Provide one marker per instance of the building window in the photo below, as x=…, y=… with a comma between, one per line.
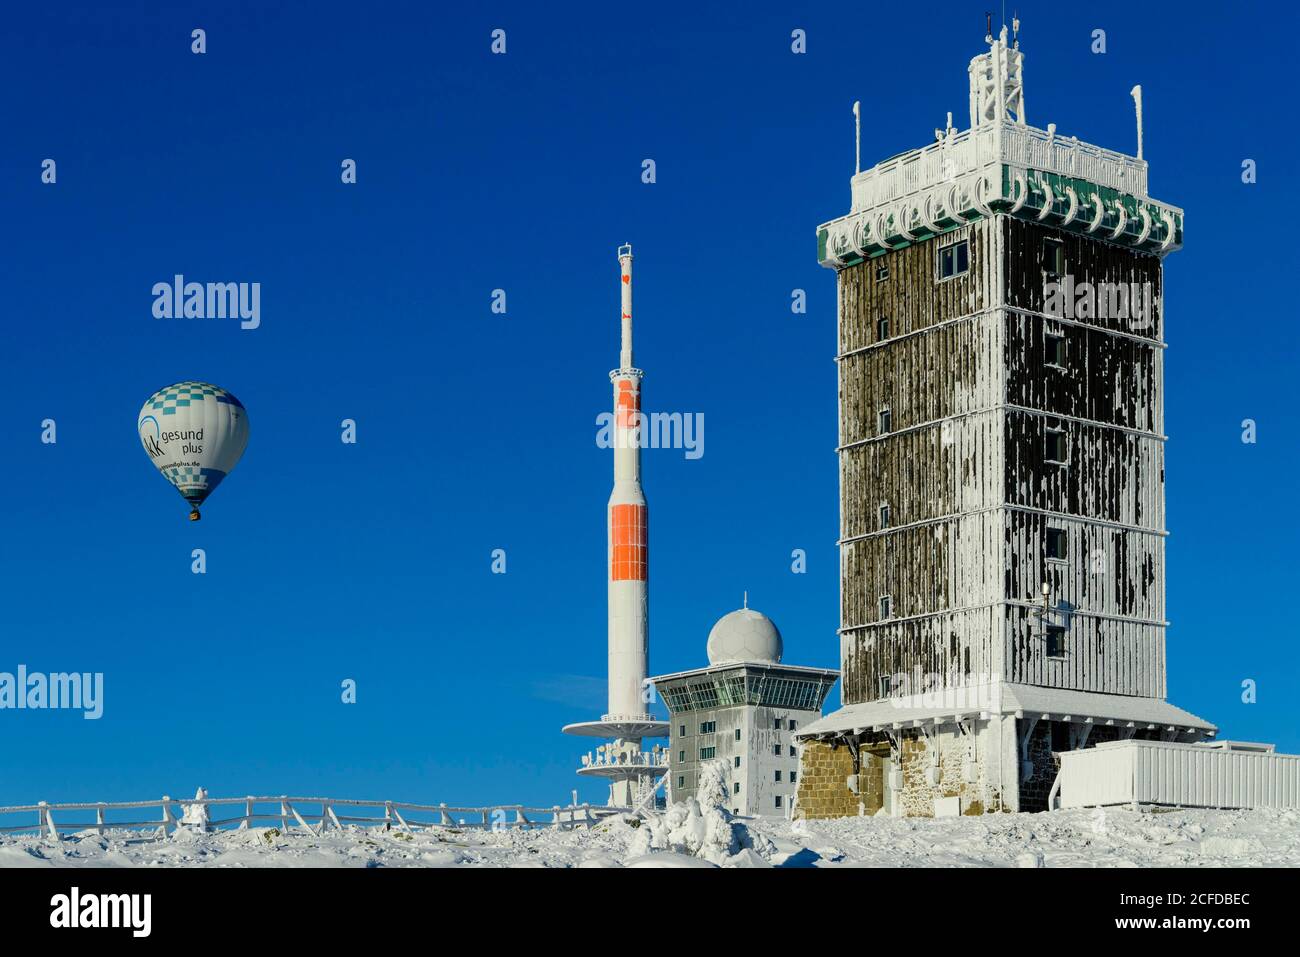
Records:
x=1055, y=641
x=737, y=734
x=707, y=754
x=794, y=725
x=954, y=259
x=681, y=757
x=792, y=776
x=735, y=788
x=886, y=607
x=1054, y=350
x=681, y=780
x=1056, y=542
x=776, y=724
x=681, y=732
x=1056, y=451
x=777, y=776
x=792, y=751
x=776, y=750
x=884, y=517
x=1054, y=257
x=882, y=272
x=778, y=800
x=708, y=727
x=737, y=764
x=882, y=686
x=884, y=421
x=882, y=329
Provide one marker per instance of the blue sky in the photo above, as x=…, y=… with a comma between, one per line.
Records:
x=476, y=431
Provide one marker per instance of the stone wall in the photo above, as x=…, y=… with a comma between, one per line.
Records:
x=823, y=782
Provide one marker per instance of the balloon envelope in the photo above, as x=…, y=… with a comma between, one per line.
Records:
x=194, y=433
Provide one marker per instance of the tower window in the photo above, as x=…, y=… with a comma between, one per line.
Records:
x=1056, y=542
x=882, y=272
x=1054, y=350
x=708, y=727
x=884, y=516
x=886, y=607
x=1055, y=640
x=706, y=754
x=777, y=777
x=882, y=329
x=737, y=764
x=681, y=780
x=1055, y=450
x=1054, y=257
x=778, y=800
x=884, y=421
x=793, y=725
x=735, y=788
x=954, y=259
x=681, y=757
x=882, y=686
x=792, y=776
x=776, y=750
x=737, y=734
x=776, y=724
x=792, y=751
x=681, y=732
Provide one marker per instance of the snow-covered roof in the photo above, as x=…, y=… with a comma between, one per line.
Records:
x=944, y=706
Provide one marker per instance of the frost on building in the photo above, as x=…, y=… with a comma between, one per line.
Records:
x=1001, y=451
x=742, y=712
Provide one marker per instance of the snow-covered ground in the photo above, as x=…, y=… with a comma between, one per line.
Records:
x=688, y=836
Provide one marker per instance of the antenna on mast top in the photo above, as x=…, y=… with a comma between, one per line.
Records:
x=988, y=25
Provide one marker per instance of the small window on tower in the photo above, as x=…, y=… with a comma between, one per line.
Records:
x=882, y=272
x=884, y=421
x=792, y=754
x=735, y=788
x=884, y=517
x=777, y=777
x=681, y=757
x=737, y=734
x=681, y=780
x=1056, y=543
x=1054, y=257
x=882, y=329
x=882, y=686
x=1054, y=350
x=778, y=800
x=886, y=607
x=1055, y=638
x=792, y=776
x=1056, y=451
x=681, y=732
x=794, y=725
x=737, y=764
x=707, y=754
x=776, y=750
x=708, y=727
x=954, y=259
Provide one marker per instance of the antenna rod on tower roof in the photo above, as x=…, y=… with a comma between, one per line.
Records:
x=988, y=24
x=857, y=137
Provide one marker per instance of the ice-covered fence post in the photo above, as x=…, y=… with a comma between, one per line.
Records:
x=329, y=809
x=168, y=822
x=284, y=817
x=47, y=822
x=555, y=821
x=487, y=823
x=99, y=818
x=446, y=818
x=324, y=815
x=388, y=815
x=588, y=816
x=247, y=822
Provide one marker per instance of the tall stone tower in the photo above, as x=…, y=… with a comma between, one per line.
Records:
x=1001, y=450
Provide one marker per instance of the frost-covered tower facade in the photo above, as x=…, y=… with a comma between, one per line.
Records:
x=1001, y=451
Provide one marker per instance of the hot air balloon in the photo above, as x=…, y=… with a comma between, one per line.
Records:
x=194, y=433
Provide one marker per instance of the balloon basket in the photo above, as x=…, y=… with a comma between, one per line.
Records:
x=195, y=516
